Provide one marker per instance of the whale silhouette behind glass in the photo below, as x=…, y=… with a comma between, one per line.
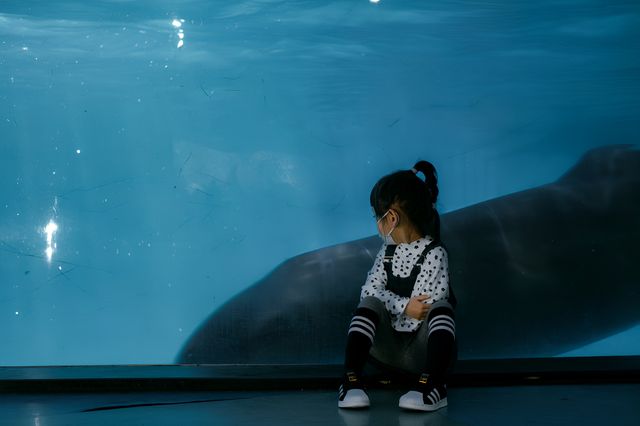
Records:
x=537, y=273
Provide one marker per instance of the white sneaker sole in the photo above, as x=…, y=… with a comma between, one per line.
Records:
x=357, y=399
x=342, y=404
x=412, y=404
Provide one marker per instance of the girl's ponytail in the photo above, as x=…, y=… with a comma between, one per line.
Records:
x=431, y=178
x=431, y=181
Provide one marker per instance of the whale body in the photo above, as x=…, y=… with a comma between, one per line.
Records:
x=536, y=273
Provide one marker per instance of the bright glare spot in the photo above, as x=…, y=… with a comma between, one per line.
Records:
x=77, y=151
x=17, y=313
x=25, y=48
x=50, y=229
x=374, y=1
x=177, y=23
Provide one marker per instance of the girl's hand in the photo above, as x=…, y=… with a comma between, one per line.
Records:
x=417, y=307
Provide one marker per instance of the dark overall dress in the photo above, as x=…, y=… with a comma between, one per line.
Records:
x=404, y=351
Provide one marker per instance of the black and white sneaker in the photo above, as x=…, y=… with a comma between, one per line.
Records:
x=351, y=393
x=426, y=396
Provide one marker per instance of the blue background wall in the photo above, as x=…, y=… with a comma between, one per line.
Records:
x=179, y=176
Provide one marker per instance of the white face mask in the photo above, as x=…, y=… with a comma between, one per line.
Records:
x=388, y=239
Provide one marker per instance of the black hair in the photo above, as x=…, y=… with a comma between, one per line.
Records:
x=414, y=196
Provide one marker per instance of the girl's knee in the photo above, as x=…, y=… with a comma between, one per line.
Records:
x=439, y=309
x=373, y=303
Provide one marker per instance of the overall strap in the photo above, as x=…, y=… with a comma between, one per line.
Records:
x=387, y=260
x=402, y=286
x=452, y=297
x=433, y=244
x=388, y=253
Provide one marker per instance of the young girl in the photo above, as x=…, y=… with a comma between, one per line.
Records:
x=405, y=318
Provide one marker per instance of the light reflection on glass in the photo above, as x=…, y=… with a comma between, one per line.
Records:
x=50, y=229
x=177, y=24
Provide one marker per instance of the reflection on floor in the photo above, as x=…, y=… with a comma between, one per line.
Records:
x=614, y=404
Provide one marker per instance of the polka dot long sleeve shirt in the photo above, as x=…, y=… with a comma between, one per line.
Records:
x=432, y=281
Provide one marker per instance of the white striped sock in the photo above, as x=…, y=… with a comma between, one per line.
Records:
x=356, y=329
x=442, y=327
x=364, y=325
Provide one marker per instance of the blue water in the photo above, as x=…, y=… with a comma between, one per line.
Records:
x=185, y=149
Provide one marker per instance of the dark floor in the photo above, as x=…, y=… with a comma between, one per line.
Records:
x=612, y=404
